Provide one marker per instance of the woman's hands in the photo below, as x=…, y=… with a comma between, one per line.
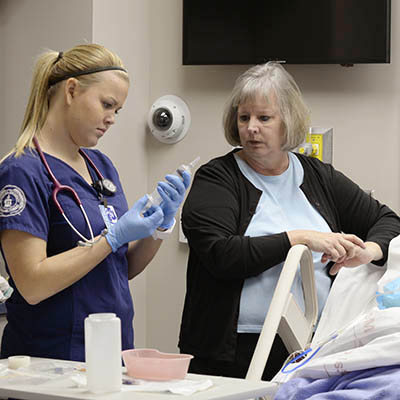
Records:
x=346, y=250
x=370, y=252
x=133, y=226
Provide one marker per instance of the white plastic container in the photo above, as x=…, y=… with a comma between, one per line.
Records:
x=103, y=353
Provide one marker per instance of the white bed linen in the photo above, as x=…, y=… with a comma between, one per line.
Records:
x=353, y=292
x=367, y=336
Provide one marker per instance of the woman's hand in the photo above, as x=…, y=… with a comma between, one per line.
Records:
x=346, y=250
x=371, y=252
x=133, y=226
x=334, y=246
x=172, y=194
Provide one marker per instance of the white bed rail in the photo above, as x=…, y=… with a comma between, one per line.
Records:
x=284, y=315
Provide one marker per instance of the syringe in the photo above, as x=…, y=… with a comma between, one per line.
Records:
x=154, y=197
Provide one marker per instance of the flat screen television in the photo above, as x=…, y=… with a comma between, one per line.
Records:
x=292, y=31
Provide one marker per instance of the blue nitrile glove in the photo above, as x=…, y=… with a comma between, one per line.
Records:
x=391, y=295
x=133, y=226
x=5, y=290
x=172, y=194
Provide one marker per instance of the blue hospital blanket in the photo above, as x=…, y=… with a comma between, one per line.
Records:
x=370, y=384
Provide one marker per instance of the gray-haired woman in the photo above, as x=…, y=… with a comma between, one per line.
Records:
x=247, y=208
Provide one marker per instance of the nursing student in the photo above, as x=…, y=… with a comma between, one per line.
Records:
x=70, y=242
x=264, y=199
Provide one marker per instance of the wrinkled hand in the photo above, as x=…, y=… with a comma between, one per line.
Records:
x=133, y=226
x=370, y=252
x=345, y=250
x=172, y=194
x=334, y=246
x=341, y=246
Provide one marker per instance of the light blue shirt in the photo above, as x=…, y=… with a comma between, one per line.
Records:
x=282, y=207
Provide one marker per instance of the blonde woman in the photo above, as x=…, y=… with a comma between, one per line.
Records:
x=265, y=199
x=68, y=238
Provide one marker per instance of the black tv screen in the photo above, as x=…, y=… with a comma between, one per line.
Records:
x=291, y=31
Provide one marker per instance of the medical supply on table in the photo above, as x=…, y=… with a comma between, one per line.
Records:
x=46, y=373
x=103, y=187
x=154, y=197
x=103, y=352
x=151, y=364
x=15, y=362
x=184, y=387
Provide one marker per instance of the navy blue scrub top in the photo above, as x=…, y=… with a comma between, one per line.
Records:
x=54, y=328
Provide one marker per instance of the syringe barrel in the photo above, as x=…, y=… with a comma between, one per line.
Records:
x=154, y=199
x=154, y=196
x=189, y=167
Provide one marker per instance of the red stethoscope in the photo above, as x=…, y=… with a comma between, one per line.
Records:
x=103, y=186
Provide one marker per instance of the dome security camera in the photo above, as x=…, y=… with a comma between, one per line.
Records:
x=169, y=119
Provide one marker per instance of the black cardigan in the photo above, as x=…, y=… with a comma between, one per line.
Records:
x=215, y=216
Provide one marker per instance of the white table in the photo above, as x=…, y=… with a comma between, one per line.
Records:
x=222, y=389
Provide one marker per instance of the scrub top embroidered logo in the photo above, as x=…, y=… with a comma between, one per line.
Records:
x=12, y=201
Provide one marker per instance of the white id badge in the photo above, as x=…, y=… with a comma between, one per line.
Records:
x=109, y=215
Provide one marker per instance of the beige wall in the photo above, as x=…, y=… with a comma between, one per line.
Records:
x=28, y=27
x=122, y=26
x=360, y=103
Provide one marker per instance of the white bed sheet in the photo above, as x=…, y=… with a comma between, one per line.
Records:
x=353, y=292
x=367, y=336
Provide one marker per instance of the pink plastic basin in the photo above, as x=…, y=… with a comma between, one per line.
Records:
x=153, y=365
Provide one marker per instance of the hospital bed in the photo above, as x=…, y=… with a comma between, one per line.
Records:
x=355, y=351
x=355, y=348
x=285, y=317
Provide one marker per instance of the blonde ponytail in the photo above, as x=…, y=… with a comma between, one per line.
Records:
x=52, y=66
x=38, y=103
